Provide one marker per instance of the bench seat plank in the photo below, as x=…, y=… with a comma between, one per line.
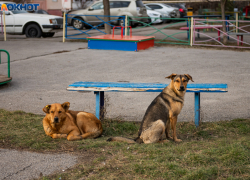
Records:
x=141, y=87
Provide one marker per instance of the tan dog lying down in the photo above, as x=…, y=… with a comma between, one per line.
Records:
x=60, y=122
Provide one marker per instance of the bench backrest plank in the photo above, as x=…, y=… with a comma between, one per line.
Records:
x=141, y=87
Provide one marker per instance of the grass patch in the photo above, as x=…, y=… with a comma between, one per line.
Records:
x=217, y=150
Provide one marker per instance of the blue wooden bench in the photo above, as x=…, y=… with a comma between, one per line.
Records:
x=100, y=87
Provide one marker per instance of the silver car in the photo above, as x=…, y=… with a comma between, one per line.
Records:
x=164, y=8
x=131, y=8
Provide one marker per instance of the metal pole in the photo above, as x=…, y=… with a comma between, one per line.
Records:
x=126, y=25
x=4, y=26
x=197, y=108
x=2, y=22
x=237, y=23
x=63, y=26
x=191, y=34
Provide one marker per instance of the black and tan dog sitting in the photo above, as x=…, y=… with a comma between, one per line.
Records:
x=60, y=122
x=162, y=113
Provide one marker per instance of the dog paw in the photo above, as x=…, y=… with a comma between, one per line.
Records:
x=177, y=140
x=164, y=141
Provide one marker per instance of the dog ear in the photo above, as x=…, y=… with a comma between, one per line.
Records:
x=189, y=77
x=46, y=109
x=65, y=106
x=172, y=76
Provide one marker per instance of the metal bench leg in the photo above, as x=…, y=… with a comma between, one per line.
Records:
x=99, y=106
x=196, y=109
x=241, y=39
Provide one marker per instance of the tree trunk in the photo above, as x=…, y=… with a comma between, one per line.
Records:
x=107, y=16
x=224, y=29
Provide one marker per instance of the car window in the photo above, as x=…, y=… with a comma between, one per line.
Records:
x=125, y=3
x=139, y=4
x=119, y=4
x=155, y=6
x=97, y=6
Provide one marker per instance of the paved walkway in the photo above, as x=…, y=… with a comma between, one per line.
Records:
x=21, y=165
x=43, y=68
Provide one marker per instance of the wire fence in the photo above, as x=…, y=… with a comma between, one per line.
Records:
x=184, y=31
x=210, y=33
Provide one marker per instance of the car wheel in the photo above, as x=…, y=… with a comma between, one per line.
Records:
x=33, y=31
x=120, y=22
x=49, y=34
x=77, y=23
x=132, y=23
x=149, y=20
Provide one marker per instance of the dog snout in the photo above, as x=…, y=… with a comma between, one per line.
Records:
x=56, y=119
x=182, y=88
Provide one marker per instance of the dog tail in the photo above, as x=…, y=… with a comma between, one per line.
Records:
x=122, y=139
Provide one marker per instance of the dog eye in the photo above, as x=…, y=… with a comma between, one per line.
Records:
x=51, y=111
x=59, y=111
x=184, y=80
x=177, y=81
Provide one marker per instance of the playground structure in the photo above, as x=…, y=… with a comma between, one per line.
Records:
x=3, y=78
x=120, y=42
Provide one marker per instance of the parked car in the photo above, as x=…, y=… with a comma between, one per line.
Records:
x=156, y=17
x=132, y=8
x=40, y=11
x=163, y=8
x=182, y=8
x=32, y=25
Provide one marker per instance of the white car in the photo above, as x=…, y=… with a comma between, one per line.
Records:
x=32, y=25
x=156, y=17
x=164, y=8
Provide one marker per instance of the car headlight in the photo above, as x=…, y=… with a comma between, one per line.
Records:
x=53, y=21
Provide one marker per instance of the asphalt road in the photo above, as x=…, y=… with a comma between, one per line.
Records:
x=43, y=68
x=22, y=165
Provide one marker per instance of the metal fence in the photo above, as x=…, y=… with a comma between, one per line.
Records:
x=210, y=33
x=166, y=33
x=185, y=31
x=146, y=26
x=89, y=29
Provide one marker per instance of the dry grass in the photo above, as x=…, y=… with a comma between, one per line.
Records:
x=218, y=150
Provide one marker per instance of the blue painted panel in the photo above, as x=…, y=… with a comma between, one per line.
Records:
x=112, y=45
x=148, y=86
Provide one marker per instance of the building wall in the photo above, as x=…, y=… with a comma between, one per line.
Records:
x=54, y=4
x=53, y=7
x=43, y=4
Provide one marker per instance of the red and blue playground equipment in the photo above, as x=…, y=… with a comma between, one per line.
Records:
x=120, y=42
x=3, y=78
